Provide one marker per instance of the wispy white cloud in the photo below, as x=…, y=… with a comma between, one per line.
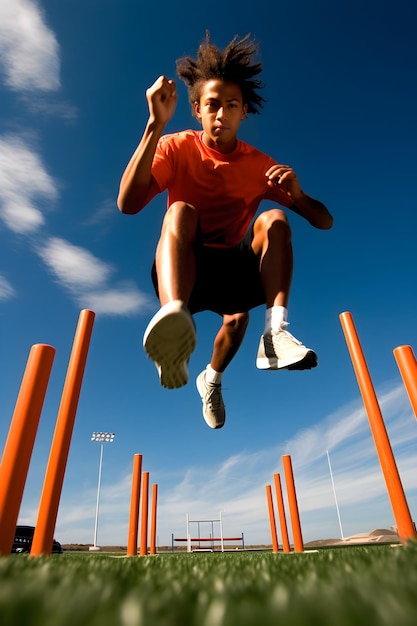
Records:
x=103, y=214
x=126, y=299
x=29, y=57
x=49, y=105
x=29, y=51
x=237, y=485
x=26, y=189
x=24, y=185
x=74, y=267
x=6, y=290
x=87, y=278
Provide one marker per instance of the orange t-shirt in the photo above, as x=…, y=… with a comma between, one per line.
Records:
x=226, y=189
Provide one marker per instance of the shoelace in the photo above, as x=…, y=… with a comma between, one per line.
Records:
x=213, y=396
x=286, y=334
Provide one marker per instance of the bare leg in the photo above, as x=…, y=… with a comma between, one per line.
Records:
x=170, y=338
x=175, y=260
x=226, y=344
x=272, y=238
x=228, y=340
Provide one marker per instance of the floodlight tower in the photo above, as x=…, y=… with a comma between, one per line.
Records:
x=334, y=493
x=102, y=438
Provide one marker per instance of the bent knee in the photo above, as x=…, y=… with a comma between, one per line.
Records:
x=270, y=224
x=179, y=207
x=236, y=322
x=267, y=219
x=181, y=216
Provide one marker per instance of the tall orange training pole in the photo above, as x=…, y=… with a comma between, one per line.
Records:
x=407, y=365
x=58, y=456
x=144, y=518
x=281, y=513
x=152, y=549
x=272, y=523
x=293, y=505
x=21, y=438
x=132, y=540
x=396, y=494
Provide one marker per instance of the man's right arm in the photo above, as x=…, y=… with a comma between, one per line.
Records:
x=136, y=185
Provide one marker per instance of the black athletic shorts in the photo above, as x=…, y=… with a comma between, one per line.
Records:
x=228, y=279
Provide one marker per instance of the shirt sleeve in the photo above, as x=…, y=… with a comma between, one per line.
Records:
x=163, y=163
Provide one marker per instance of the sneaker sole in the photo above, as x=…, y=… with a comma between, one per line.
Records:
x=169, y=341
x=306, y=362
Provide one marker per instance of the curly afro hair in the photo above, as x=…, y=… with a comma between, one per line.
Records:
x=233, y=64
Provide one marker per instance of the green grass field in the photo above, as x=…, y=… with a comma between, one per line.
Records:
x=367, y=586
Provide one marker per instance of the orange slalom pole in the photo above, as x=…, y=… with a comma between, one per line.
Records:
x=281, y=513
x=395, y=490
x=144, y=519
x=272, y=523
x=152, y=549
x=58, y=455
x=407, y=365
x=293, y=505
x=21, y=438
x=132, y=541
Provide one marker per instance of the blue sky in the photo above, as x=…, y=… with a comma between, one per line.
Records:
x=341, y=99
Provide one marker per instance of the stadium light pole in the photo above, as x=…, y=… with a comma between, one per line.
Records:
x=102, y=438
x=334, y=493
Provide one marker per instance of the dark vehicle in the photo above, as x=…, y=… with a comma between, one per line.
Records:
x=23, y=540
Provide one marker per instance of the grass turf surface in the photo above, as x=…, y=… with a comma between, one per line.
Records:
x=369, y=586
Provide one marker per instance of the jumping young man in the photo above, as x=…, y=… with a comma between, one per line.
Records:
x=215, y=253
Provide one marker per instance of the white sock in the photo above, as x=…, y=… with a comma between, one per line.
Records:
x=212, y=376
x=274, y=316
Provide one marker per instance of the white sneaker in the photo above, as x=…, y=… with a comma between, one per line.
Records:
x=280, y=350
x=214, y=411
x=169, y=341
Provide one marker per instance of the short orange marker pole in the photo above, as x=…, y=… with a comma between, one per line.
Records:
x=152, y=549
x=407, y=365
x=132, y=540
x=272, y=523
x=293, y=505
x=144, y=517
x=281, y=513
x=58, y=455
x=21, y=438
x=395, y=490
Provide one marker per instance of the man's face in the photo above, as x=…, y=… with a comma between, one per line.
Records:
x=220, y=111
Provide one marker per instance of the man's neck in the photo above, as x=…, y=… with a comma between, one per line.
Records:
x=224, y=148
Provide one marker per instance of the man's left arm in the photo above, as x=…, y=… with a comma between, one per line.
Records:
x=312, y=210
